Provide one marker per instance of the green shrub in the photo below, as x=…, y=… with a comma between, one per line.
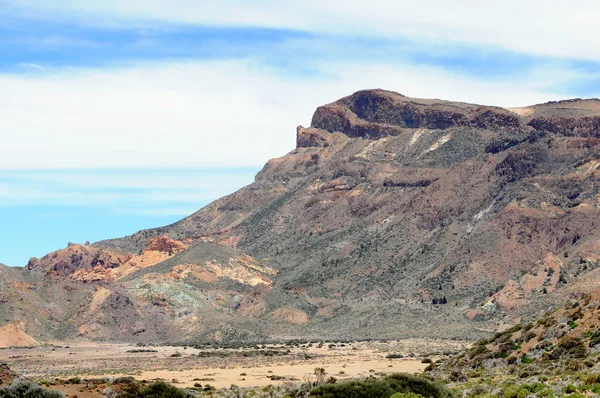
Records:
x=572, y=324
x=595, y=338
x=161, y=390
x=569, y=347
x=129, y=390
x=544, y=345
x=394, y=356
x=406, y=395
x=525, y=359
x=591, y=378
x=123, y=380
x=21, y=389
x=478, y=350
x=547, y=321
x=570, y=389
x=527, y=390
x=383, y=388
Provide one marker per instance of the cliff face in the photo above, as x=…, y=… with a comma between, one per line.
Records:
x=378, y=113
x=393, y=216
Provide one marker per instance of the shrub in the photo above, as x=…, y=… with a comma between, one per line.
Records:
x=525, y=359
x=27, y=389
x=527, y=390
x=406, y=395
x=394, y=356
x=478, y=350
x=591, y=378
x=161, y=390
x=528, y=336
x=384, y=388
x=547, y=321
x=128, y=390
x=569, y=389
x=595, y=338
x=123, y=380
x=569, y=347
x=543, y=345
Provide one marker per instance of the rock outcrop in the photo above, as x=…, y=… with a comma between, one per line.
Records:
x=378, y=113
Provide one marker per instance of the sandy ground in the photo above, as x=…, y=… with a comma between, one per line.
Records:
x=12, y=335
x=226, y=367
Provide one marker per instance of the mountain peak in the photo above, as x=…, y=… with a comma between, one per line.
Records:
x=379, y=113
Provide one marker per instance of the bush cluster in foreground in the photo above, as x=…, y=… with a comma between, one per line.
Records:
x=129, y=389
x=159, y=389
x=397, y=385
x=27, y=389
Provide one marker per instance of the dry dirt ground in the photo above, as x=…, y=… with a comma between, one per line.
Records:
x=221, y=367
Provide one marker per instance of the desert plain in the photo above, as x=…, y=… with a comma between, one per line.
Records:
x=190, y=367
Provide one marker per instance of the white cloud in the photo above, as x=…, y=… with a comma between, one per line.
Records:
x=141, y=192
x=555, y=28
x=208, y=113
x=157, y=115
x=31, y=65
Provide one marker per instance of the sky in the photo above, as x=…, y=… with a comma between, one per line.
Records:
x=119, y=115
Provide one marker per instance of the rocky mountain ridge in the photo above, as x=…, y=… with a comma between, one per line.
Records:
x=392, y=217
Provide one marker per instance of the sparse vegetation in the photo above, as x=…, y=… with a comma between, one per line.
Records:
x=27, y=389
x=385, y=387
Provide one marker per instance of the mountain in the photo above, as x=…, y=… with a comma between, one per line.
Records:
x=392, y=217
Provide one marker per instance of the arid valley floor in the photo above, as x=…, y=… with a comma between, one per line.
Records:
x=219, y=367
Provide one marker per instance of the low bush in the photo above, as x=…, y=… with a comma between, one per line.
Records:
x=159, y=389
x=383, y=388
x=406, y=395
x=21, y=389
x=527, y=390
x=394, y=356
x=591, y=378
x=162, y=390
x=568, y=348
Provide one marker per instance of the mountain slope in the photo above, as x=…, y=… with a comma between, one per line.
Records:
x=393, y=216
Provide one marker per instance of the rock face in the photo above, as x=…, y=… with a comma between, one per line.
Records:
x=576, y=118
x=163, y=244
x=377, y=113
x=392, y=217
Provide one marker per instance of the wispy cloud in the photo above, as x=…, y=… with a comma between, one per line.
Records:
x=559, y=29
x=31, y=65
x=142, y=192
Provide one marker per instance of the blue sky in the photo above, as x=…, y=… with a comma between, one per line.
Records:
x=122, y=115
x=41, y=210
